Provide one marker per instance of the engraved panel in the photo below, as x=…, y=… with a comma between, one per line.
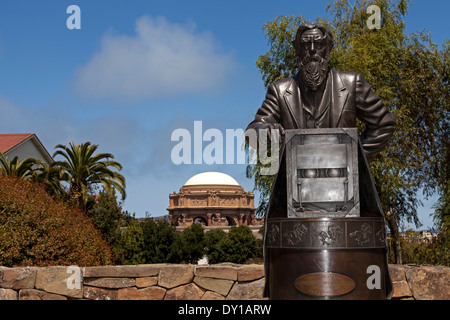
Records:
x=273, y=234
x=360, y=234
x=324, y=284
x=199, y=202
x=328, y=234
x=229, y=202
x=296, y=234
x=379, y=234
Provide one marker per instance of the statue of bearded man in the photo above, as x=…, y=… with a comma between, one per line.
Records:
x=321, y=97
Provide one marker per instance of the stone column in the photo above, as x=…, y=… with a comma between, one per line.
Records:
x=241, y=216
x=209, y=221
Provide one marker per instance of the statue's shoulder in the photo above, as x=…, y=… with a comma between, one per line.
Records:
x=348, y=77
x=284, y=84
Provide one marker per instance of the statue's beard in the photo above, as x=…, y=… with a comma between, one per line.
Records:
x=313, y=71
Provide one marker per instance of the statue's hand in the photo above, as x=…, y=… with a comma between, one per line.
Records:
x=263, y=134
x=272, y=126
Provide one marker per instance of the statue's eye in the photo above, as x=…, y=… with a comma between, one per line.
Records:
x=319, y=44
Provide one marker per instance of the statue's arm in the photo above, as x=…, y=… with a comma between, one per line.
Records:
x=268, y=115
x=380, y=124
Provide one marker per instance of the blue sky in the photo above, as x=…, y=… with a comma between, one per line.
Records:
x=63, y=84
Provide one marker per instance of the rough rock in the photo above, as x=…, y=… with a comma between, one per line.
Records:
x=150, y=293
x=143, y=270
x=18, y=278
x=219, y=272
x=247, y=290
x=33, y=294
x=113, y=283
x=250, y=272
x=401, y=287
x=8, y=294
x=397, y=272
x=210, y=295
x=173, y=276
x=59, y=280
x=217, y=285
x=186, y=292
x=146, y=282
x=94, y=293
x=429, y=283
x=401, y=290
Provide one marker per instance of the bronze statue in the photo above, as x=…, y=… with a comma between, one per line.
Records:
x=313, y=253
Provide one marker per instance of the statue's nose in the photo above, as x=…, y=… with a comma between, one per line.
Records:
x=311, y=49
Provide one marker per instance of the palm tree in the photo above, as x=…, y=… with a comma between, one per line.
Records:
x=51, y=178
x=84, y=170
x=23, y=169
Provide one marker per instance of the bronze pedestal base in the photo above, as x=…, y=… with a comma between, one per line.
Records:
x=327, y=258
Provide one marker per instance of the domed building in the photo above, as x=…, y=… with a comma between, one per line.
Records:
x=213, y=199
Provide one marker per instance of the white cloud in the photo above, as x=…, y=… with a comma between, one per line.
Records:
x=162, y=58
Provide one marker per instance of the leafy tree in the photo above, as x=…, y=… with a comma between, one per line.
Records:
x=130, y=247
x=408, y=72
x=161, y=242
x=107, y=215
x=84, y=170
x=239, y=246
x=192, y=243
x=213, y=239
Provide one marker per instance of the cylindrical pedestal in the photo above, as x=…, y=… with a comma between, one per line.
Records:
x=327, y=258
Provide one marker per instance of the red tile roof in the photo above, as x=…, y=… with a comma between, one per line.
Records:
x=10, y=140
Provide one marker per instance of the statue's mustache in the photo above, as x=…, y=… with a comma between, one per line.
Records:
x=312, y=58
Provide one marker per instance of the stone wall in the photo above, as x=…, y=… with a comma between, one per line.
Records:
x=183, y=282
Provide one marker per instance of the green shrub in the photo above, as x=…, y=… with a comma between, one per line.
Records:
x=107, y=215
x=212, y=240
x=130, y=246
x=239, y=246
x=192, y=240
x=161, y=242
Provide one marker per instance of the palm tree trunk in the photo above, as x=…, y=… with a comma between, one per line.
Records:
x=77, y=196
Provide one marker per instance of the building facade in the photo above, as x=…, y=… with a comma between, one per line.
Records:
x=212, y=199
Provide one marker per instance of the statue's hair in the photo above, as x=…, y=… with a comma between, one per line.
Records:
x=307, y=26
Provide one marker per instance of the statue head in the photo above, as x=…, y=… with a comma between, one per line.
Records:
x=313, y=44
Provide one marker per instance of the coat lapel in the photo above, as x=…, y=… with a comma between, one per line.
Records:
x=292, y=97
x=339, y=94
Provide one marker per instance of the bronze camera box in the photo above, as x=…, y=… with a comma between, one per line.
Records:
x=322, y=173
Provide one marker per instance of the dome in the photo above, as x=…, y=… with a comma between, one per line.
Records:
x=211, y=178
